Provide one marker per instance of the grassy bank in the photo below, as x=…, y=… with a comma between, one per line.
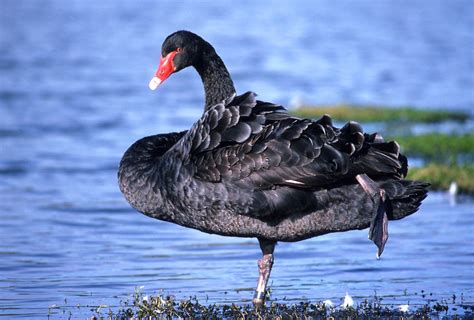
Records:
x=438, y=147
x=448, y=158
x=441, y=175
x=379, y=114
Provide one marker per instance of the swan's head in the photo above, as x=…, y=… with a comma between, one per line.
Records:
x=179, y=50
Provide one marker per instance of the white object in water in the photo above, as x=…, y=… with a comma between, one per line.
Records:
x=403, y=308
x=328, y=303
x=348, y=302
x=452, y=192
x=453, y=189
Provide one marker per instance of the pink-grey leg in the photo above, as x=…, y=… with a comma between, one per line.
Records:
x=264, y=268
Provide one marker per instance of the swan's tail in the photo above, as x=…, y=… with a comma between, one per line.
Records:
x=405, y=196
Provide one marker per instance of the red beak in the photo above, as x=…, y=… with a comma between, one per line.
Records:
x=165, y=69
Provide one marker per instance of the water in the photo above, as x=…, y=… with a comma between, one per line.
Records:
x=74, y=96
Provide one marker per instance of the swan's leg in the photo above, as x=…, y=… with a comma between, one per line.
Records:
x=378, y=232
x=264, y=268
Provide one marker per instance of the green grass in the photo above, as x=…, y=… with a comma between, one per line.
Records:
x=379, y=114
x=438, y=147
x=441, y=175
x=448, y=158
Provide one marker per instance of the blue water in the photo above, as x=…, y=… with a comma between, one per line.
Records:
x=74, y=96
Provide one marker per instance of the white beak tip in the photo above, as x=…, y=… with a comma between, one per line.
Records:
x=154, y=83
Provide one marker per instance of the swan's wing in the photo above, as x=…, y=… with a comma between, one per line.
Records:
x=261, y=146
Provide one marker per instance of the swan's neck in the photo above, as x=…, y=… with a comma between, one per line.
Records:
x=218, y=84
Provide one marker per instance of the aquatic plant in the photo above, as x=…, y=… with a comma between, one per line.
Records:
x=167, y=307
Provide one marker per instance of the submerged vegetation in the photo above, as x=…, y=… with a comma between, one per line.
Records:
x=380, y=114
x=166, y=307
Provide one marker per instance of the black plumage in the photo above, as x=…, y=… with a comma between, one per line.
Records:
x=248, y=168
x=284, y=168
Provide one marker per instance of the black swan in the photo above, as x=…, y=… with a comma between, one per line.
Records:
x=247, y=168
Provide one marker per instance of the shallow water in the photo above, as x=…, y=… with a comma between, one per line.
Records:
x=74, y=96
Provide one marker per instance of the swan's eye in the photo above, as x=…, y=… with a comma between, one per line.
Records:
x=179, y=49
